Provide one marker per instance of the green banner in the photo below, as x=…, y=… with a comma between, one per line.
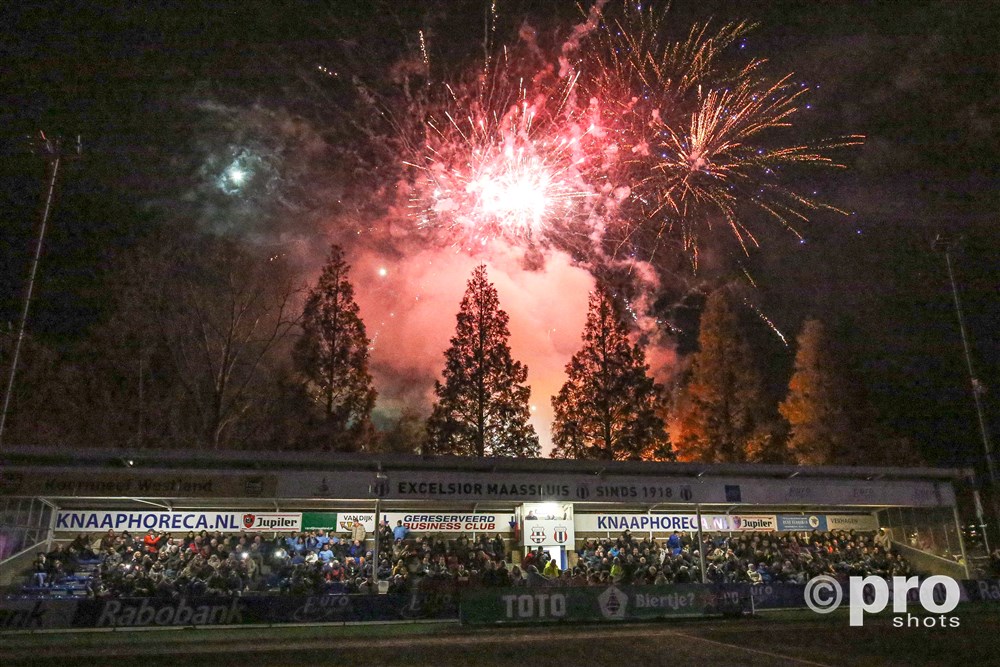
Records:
x=612, y=603
x=314, y=520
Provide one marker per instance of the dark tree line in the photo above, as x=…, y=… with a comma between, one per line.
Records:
x=721, y=411
x=211, y=345
x=208, y=347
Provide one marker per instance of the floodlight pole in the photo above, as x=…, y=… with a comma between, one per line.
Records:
x=701, y=546
x=52, y=151
x=945, y=243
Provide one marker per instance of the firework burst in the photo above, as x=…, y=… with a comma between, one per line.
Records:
x=499, y=160
x=698, y=136
x=638, y=138
x=712, y=168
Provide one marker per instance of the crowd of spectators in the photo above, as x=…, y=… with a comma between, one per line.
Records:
x=62, y=561
x=168, y=566
x=315, y=562
x=734, y=558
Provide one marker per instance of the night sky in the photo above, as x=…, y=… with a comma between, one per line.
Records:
x=166, y=95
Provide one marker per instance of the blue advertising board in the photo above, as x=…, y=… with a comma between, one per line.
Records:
x=803, y=522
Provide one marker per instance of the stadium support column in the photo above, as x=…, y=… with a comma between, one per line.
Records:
x=980, y=517
x=701, y=544
x=378, y=525
x=961, y=541
x=50, y=534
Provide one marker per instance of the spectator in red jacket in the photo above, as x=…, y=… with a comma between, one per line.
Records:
x=151, y=541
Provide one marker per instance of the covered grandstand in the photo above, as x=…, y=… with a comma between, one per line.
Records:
x=48, y=496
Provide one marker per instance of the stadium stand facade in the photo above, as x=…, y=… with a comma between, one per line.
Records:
x=95, y=538
x=226, y=519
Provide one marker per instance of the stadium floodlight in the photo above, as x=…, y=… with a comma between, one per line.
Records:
x=548, y=509
x=54, y=151
x=946, y=243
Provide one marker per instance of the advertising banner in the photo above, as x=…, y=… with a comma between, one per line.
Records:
x=802, y=522
x=542, y=525
x=627, y=603
x=612, y=603
x=617, y=522
x=199, y=611
x=453, y=522
x=26, y=614
x=982, y=590
x=517, y=605
x=765, y=596
x=476, y=486
x=345, y=521
x=314, y=520
x=862, y=522
x=755, y=522
x=141, y=521
x=64, y=482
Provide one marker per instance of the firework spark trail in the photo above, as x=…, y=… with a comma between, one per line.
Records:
x=766, y=320
x=423, y=52
x=695, y=136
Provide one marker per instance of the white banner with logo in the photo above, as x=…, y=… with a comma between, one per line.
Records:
x=545, y=524
x=617, y=522
x=768, y=522
x=172, y=522
x=452, y=522
x=345, y=521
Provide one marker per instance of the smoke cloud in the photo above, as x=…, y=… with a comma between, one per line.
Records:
x=409, y=306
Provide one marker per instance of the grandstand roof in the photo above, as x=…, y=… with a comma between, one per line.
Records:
x=78, y=477
x=270, y=460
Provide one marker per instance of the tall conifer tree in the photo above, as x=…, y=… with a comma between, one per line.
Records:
x=821, y=408
x=722, y=414
x=607, y=409
x=332, y=355
x=482, y=407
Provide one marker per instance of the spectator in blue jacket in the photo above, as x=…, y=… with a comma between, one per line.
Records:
x=674, y=543
x=400, y=532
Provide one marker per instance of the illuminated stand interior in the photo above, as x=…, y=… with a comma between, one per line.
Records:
x=48, y=495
